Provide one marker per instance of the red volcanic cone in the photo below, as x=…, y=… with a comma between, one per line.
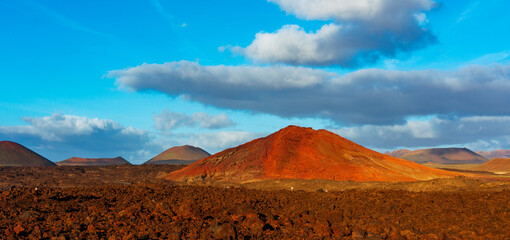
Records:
x=303, y=153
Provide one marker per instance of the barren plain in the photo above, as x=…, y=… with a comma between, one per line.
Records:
x=133, y=202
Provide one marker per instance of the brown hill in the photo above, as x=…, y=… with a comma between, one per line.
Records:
x=303, y=153
x=179, y=155
x=398, y=153
x=494, y=154
x=76, y=161
x=445, y=156
x=14, y=154
x=496, y=165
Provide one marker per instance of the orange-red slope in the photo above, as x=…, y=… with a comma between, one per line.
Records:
x=76, y=161
x=304, y=153
x=497, y=165
x=14, y=154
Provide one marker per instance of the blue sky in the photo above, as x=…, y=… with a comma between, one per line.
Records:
x=131, y=78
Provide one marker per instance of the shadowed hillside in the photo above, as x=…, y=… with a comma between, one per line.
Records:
x=179, y=155
x=14, y=154
x=444, y=156
x=76, y=161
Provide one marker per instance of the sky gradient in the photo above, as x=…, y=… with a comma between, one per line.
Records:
x=132, y=78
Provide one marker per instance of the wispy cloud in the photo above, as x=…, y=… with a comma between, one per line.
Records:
x=170, y=18
x=60, y=18
x=168, y=120
x=468, y=11
x=491, y=58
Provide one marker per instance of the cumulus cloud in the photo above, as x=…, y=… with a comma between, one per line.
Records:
x=205, y=78
x=388, y=12
x=370, y=96
x=216, y=141
x=479, y=132
x=170, y=120
x=59, y=135
x=362, y=32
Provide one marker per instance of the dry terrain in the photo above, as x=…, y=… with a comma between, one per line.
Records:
x=132, y=202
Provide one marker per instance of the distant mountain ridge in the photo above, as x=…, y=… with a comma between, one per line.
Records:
x=179, y=155
x=303, y=153
x=444, y=156
x=14, y=154
x=76, y=161
x=495, y=154
x=398, y=153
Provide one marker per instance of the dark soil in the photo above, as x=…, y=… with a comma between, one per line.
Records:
x=120, y=203
x=73, y=176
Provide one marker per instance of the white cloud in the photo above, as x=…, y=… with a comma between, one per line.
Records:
x=170, y=120
x=208, y=121
x=291, y=44
x=362, y=32
x=370, y=96
x=479, y=132
x=216, y=141
x=58, y=126
x=347, y=10
x=61, y=135
x=204, y=78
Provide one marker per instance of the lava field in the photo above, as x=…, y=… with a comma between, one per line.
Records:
x=150, y=209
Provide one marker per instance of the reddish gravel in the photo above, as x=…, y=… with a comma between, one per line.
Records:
x=156, y=211
x=131, y=202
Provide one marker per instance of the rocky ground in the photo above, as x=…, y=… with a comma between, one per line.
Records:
x=72, y=176
x=120, y=203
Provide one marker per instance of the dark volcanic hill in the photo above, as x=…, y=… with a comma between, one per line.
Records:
x=444, y=156
x=496, y=165
x=14, y=154
x=303, y=153
x=494, y=154
x=179, y=155
x=76, y=161
x=398, y=153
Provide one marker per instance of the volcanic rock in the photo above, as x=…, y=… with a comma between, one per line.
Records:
x=179, y=155
x=496, y=165
x=303, y=153
x=14, y=154
x=445, y=156
x=494, y=154
x=76, y=161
